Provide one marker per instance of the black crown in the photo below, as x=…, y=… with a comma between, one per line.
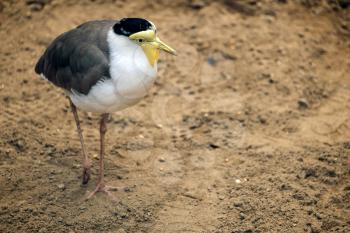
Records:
x=129, y=26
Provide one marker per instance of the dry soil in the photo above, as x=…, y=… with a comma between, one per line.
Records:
x=246, y=130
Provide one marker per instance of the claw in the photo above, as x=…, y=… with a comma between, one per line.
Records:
x=87, y=171
x=86, y=175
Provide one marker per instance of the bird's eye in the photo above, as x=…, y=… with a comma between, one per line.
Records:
x=140, y=40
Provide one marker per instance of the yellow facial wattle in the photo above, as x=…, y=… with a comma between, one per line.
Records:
x=151, y=45
x=151, y=53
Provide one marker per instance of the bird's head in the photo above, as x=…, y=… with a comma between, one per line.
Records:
x=143, y=33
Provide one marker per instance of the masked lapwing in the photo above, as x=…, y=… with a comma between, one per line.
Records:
x=103, y=67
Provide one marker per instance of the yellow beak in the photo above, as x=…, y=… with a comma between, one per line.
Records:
x=152, y=40
x=164, y=47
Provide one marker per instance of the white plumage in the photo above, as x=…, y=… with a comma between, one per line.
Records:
x=131, y=78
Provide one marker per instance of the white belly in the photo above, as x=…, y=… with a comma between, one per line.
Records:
x=131, y=78
x=108, y=96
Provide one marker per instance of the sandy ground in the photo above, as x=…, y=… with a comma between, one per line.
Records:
x=246, y=130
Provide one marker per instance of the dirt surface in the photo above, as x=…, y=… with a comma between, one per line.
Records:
x=246, y=130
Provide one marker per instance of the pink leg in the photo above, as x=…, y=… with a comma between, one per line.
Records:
x=86, y=161
x=101, y=186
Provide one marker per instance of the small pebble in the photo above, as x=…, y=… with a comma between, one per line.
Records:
x=197, y=4
x=242, y=216
x=303, y=103
x=237, y=204
x=212, y=61
x=42, y=230
x=35, y=7
x=113, y=188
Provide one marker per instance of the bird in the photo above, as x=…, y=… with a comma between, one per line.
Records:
x=103, y=66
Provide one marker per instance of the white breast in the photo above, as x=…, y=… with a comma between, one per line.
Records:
x=131, y=77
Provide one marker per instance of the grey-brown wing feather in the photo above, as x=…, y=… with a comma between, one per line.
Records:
x=79, y=58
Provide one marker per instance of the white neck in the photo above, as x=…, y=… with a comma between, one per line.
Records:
x=129, y=67
x=124, y=50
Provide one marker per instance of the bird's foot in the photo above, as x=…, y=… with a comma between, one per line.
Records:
x=86, y=171
x=101, y=187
